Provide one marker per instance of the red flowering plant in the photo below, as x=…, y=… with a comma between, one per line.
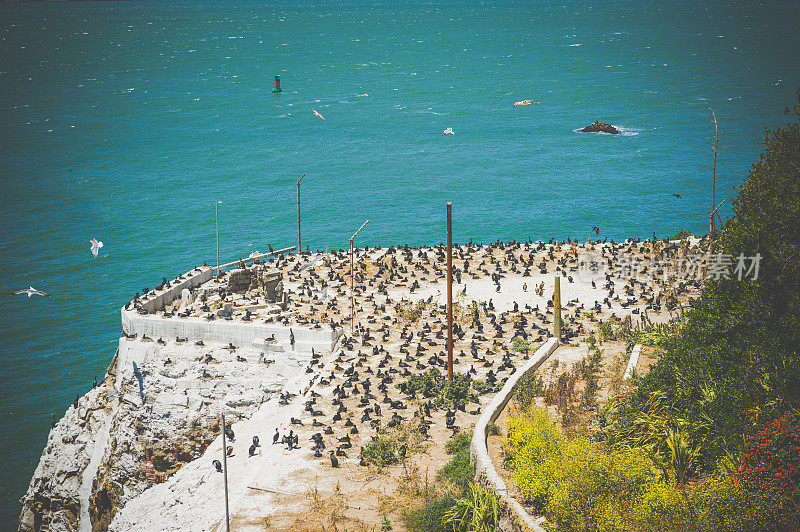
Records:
x=770, y=470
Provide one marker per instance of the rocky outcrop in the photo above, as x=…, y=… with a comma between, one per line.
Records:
x=52, y=501
x=154, y=413
x=600, y=127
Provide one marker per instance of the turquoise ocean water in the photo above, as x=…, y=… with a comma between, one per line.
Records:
x=125, y=121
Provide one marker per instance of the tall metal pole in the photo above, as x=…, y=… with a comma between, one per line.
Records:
x=449, y=296
x=714, y=171
x=225, y=475
x=557, y=308
x=352, y=301
x=352, y=279
x=216, y=205
x=299, y=247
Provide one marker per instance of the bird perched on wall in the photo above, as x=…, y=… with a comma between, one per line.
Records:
x=96, y=245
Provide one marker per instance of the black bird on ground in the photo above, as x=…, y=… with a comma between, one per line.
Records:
x=275, y=437
x=217, y=465
x=334, y=460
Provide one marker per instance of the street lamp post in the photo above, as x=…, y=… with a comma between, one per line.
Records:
x=216, y=206
x=352, y=278
x=299, y=247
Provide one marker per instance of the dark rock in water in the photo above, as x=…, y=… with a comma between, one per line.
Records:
x=600, y=127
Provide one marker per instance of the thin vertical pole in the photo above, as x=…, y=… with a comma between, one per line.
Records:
x=557, y=308
x=352, y=300
x=712, y=225
x=216, y=205
x=449, y=295
x=299, y=246
x=352, y=279
x=225, y=474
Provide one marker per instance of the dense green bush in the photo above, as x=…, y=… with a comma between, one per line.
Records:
x=381, y=452
x=432, y=384
x=735, y=363
x=528, y=388
x=458, y=473
x=476, y=511
x=770, y=471
x=431, y=517
x=579, y=485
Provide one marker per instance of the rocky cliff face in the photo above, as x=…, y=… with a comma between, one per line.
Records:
x=155, y=412
x=52, y=501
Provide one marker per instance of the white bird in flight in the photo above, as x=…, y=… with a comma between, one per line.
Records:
x=32, y=292
x=317, y=114
x=310, y=263
x=449, y=131
x=96, y=245
x=523, y=102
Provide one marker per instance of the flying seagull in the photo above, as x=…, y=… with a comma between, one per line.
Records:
x=324, y=295
x=449, y=131
x=678, y=195
x=32, y=292
x=96, y=245
x=310, y=263
x=523, y=102
x=317, y=114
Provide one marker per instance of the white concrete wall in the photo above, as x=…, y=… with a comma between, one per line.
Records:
x=237, y=332
x=633, y=361
x=517, y=518
x=157, y=299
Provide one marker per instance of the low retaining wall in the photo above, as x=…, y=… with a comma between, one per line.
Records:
x=224, y=331
x=513, y=515
x=162, y=297
x=633, y=361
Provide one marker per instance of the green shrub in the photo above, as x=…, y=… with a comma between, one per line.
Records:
x=742, y=336
x=427, y=384
x=492, y=430
x=381, y=452
x=458, y=471
x=476, y=511
x=662, y=507
x=770, y=471
x=432, y=384
x=518, y=344
x=458, y=442
x=579, y=485
x=528, y=388
x=431, y=517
